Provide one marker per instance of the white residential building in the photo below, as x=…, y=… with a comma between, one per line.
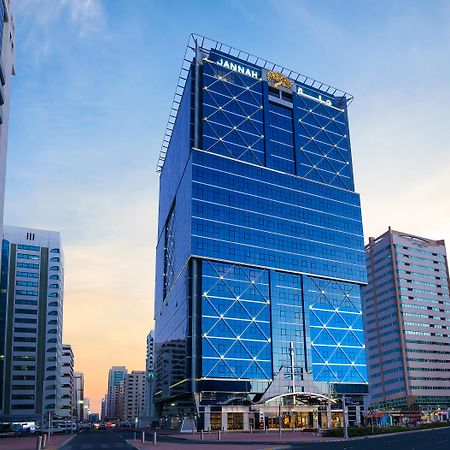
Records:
x=66, y=410
x=31, y=299
x=7, y=60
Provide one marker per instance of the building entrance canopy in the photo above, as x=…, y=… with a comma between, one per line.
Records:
x=299, y=398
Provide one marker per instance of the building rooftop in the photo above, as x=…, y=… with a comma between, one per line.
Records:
x=197, y=42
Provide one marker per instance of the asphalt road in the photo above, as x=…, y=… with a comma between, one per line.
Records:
x=437, y=439
x=97, y=440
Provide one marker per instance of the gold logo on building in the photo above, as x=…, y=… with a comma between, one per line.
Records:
x=278, y=79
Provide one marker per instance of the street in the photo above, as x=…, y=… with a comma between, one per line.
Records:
x=417, y=440
x=436, y=439
x=96, y=440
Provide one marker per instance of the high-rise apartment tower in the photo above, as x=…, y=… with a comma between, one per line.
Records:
x=407, y=322
x=31, y=299
x=7, y=60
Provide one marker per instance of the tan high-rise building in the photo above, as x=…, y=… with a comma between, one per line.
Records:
x=406, y=309
x=134, y=395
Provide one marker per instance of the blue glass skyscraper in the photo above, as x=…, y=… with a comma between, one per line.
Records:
x=260, y=253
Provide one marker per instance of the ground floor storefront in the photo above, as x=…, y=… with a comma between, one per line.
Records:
x=254, y=417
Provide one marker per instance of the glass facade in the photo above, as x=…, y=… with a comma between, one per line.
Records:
x=260, y=233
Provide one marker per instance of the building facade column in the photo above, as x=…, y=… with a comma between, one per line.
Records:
x=224, y=419
x=329, y=414
x=246, y=422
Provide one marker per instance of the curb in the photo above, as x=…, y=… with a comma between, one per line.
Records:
x=397, y=433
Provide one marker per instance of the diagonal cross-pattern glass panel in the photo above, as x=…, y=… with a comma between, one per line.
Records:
x=169, y=252
x=235, y=322
x=323, y=145
x=338, y=351
x=232, y=114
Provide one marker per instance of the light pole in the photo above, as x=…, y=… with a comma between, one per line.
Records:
x=344, y=413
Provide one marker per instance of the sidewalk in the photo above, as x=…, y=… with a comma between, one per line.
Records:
x=236, y=440
x=29, y=442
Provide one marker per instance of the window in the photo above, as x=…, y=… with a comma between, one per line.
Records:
x=54, y=259
x=26, y=311
x=53, y=294
x=31, y=248
x=54, y=286
x=29, y=293
x=26, y=256
x=24, y=349
x=23, y=377
x=27, y=274
x=54, y=268
x=24, y=368
x=54, y=250
x=23, y=387
x=27, y=265
x=54, y=277
x=23, y=396
x=24, y=358
x=27, y=283
x=26, y=302
x=24, y=339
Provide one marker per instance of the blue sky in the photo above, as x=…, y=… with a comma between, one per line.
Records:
x=90, y=101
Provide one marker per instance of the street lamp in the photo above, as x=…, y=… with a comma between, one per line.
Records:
x=344, y=413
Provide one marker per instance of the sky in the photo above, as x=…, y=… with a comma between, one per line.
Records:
x=90, y=101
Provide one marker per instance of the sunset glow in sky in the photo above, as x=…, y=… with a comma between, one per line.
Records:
x=90, y=101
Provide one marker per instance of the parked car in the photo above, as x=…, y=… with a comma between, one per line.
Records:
x=8, y=429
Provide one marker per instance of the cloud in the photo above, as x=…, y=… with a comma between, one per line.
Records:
x=43, y=12
x=88, y=14
x=37, y=20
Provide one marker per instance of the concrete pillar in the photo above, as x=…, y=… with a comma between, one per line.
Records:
x=329, y=414
x=315, y=419
x=224, y=420
x=358, y=415
x=246, y=424
x=207, y=418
